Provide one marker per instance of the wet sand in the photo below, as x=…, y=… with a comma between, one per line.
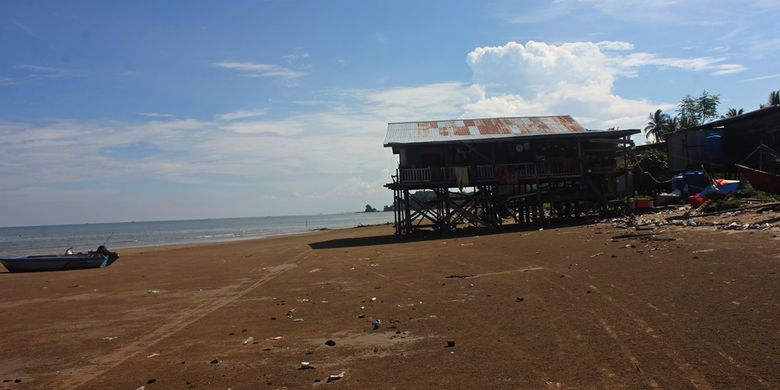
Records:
x=559, y=308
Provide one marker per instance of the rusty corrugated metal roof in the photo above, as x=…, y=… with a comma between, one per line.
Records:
x=479, y=129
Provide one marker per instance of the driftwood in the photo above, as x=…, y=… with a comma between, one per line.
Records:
x=633, y=235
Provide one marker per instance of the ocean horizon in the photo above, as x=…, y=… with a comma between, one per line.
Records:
x=54, y=239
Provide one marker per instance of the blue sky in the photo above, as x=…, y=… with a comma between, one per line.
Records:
x=154, y=110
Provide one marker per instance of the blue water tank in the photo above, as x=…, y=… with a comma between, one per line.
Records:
x=678, y=185
x=694, y=181
x=714, y=148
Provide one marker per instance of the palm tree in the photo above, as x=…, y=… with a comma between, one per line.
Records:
x=732, y=112
x=774, y=99
x=657, y=125
x=672, y=125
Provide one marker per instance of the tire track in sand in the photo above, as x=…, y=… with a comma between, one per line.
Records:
x=693, y=376
x=173, y=324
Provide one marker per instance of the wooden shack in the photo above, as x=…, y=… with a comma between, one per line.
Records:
x=488, y=172
x=720, y=144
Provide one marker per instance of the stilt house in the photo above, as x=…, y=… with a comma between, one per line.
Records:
x=487, y=172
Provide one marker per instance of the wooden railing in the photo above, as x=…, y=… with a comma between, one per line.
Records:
x=415, y=175
x=491, y=172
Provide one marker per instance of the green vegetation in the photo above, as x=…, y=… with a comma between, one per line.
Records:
x=732, y=112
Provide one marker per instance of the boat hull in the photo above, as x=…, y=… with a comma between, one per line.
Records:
x=761, y=180
x=55, y=263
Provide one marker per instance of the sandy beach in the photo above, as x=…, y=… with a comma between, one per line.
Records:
x=567, y=307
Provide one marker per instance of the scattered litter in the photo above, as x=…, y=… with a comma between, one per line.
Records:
x=450, y=344
x=152, y=355
x=109, y=338
x=459, y=276
x=703, y=250
x=276, y=338
x=330, y=343
x=249, y=340
x=335, y=377
x=303, y=300
x=311, y=271
x=141, y=388
x=306, y=366
x=519, y=299
x=597, y=254
x=152, y=292
x=297, y=319
x=467, y=244
x=376, y=324
x=215, y=362
x=373, y=265
x=373, y=299
x=151, y=381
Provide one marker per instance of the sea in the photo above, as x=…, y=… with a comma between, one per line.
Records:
x=55, y=239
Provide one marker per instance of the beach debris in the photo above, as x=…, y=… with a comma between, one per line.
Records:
x=313, y=270
x=464, y=276
x=373, y=299
x=152, y=292
x=361, y=315
x=276, y=338
x=330, y=343
x=248, y=340
x=373, y=265
x=109, y=338
x=519, y=299
x=215, y=362
x=306, y=366
x=141, y=388
x=450, y=344
x=150, y=381
x=634, y=235
x=152, y=355
x=297, y=319
x=376, y=324
x=303, y=300
x=335, y=377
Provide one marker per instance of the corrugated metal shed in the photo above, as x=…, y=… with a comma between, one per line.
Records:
x=479, y=129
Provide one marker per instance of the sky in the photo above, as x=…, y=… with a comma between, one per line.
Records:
x=160, y=110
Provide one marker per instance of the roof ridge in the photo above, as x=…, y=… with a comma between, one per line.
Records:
x=482, y=119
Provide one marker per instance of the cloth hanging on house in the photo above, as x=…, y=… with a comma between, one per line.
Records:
x=461, y=177
x=508, y=175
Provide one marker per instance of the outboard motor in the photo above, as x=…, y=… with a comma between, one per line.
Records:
x=103, y=251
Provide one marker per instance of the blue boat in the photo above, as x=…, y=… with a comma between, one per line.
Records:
x=99, y=258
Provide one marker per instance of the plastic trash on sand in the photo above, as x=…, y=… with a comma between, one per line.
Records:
x=335, y=377
x=376, y=324
x=249, y=340
x=306, y=366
